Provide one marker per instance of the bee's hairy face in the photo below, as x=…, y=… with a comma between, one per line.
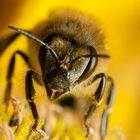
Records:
x=63, y=76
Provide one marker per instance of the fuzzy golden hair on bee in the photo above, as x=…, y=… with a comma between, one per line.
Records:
x=72, y=24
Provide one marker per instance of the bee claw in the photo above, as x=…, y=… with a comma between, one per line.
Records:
x=38, y=134
x=87, y=130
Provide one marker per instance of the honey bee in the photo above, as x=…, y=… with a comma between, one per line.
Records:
x=70, y=46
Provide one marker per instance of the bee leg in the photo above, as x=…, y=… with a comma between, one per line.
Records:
x=98, y=96
x=30, y=93
x=10, y=74
x=4, y=43
x=105, y=114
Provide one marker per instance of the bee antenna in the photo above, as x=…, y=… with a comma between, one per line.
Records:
x=29, y=35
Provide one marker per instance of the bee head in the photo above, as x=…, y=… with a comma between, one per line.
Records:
x=75, y=62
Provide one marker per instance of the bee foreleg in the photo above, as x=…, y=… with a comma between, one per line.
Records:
x=10, y=74
x=98, y=96
x=105, y=114
x=30, y=94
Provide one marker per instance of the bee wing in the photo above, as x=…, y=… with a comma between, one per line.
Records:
x=5, y=42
